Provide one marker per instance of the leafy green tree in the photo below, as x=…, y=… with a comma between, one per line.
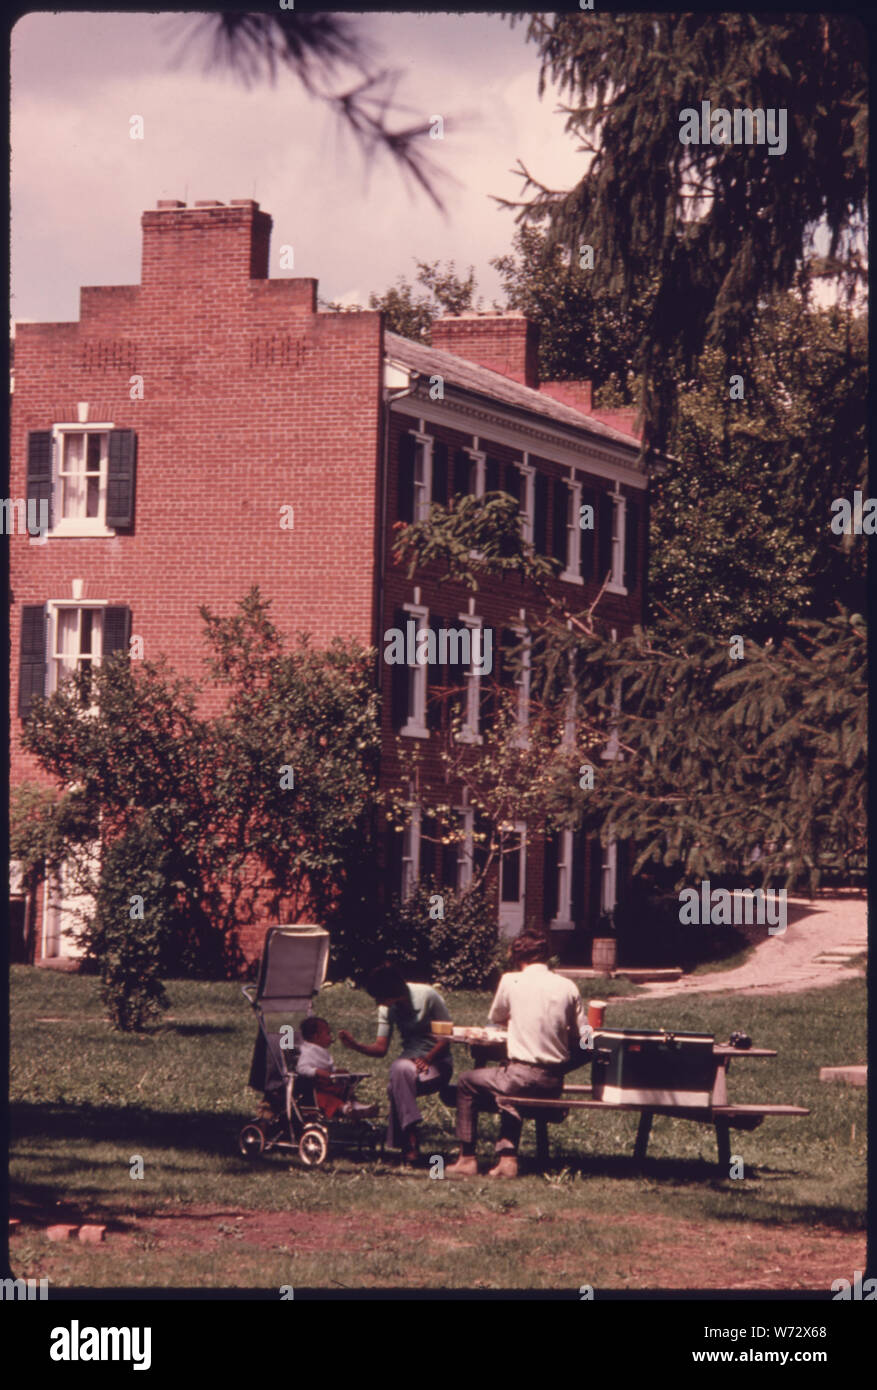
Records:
x=257, y=809
x=409, y=309
x=740, y=518
x=703, y=762
x=719, y=227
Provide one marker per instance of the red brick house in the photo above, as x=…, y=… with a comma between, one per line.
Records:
x=172, y=426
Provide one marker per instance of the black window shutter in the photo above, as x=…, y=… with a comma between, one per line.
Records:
x=435, y=677
x=32, y=665
x=491, y=475
x=462, y=473
x=39, y=469
x=577, y=879
x=540, y=515
x=407, y=453
x=587, y=535
x=117, y=630
x=631, y=544
x=121, y=472
x=399, y=683
x=559, y=521
x=440, y=473
x=513, y=481
x=549, y=889
x=456, y=679
x=605, y=509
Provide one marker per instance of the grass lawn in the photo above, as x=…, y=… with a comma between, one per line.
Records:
x=85, y=1101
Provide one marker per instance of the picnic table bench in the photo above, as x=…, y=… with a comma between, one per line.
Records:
x=722, y=1116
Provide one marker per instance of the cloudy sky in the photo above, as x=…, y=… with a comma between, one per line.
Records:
x=80, y=183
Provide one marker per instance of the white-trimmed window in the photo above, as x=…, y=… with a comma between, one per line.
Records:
x=470, y=731
x=465, y=848
x=76, y=640
x=81, y=460
x=528, y=505
x=609, y=877
x=616, y=583
x=512, y=878
x=415, y=725
x=563, y=919
x=422, y=476
x=572, y=572
x=411, y=853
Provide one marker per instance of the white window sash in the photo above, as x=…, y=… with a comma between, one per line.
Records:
x=79, y=525
x=415, y=725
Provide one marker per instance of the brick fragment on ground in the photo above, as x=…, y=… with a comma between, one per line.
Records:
x=91, y=1235
x=61, y=1232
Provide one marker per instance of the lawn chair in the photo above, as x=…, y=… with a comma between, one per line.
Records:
x=293, y=968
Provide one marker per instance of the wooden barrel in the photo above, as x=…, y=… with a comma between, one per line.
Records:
x=604, y=954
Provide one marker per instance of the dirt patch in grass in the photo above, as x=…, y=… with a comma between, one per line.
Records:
x=661, y=1252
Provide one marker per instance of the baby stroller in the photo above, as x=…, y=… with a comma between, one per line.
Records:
x=293, y=967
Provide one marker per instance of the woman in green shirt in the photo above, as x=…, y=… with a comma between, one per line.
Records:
x=424, y=1065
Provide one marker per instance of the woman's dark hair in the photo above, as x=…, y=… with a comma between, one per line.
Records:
x=530, y=947
x=386, y=981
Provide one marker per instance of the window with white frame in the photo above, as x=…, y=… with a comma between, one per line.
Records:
x=609, y=878
x=81, y=458
x=616, y=582
x=76, y=632
x=528, y=509
x=422, y=476
x=415, y=725
x=563, y=919
x=411, y=854
x=465, y=848
x=470, y=731
x=512, y=877
x=572, y=572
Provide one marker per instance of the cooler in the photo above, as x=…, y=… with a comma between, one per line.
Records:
x=653, y=1066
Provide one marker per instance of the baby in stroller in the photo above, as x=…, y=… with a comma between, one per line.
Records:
x=333, y=1091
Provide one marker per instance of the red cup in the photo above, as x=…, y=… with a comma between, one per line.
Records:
x=596, y=1012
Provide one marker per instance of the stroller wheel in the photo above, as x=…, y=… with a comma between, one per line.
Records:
x=313, y=1146
x=251, y=1141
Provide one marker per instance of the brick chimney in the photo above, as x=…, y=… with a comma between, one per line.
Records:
x=205, y=244
x=505, y=343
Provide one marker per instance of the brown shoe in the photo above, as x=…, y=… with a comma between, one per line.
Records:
x=507, y=1167
x=466, y=1166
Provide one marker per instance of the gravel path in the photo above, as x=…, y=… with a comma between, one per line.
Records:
x=820, y=940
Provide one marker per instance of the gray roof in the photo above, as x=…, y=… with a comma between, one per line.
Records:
x=469, y=376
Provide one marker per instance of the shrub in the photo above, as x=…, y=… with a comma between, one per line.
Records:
x=458, y=950
x=128, y=947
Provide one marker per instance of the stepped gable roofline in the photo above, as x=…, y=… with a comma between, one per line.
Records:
x=456, y=371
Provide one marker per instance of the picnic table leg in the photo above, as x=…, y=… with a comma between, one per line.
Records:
x=642, y=1136
x=723, y=1144
x=542, y=1150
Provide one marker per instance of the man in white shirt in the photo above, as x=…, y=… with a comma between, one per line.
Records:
x=546, y=1017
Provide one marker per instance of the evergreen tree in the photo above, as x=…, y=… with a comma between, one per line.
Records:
x=718, y=226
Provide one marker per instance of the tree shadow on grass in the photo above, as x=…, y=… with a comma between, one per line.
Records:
x=200, y=1131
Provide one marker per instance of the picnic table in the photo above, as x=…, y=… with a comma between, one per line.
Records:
x=489, y=1044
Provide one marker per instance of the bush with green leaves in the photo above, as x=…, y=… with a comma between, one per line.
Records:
x=443, y=937
x=129, y=934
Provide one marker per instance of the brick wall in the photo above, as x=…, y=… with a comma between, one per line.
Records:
x=251, y=401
